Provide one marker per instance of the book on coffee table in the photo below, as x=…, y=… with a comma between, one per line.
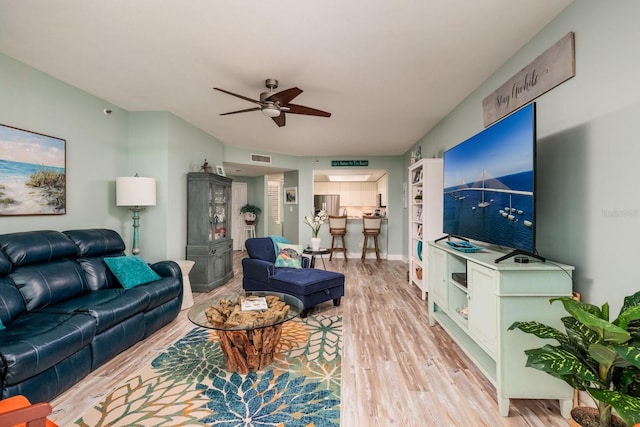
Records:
x=254, y=304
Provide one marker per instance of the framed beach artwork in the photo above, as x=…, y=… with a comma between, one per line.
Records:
x=32, y=173
x=291, y=196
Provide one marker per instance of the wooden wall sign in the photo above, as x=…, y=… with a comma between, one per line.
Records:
x=555, y=66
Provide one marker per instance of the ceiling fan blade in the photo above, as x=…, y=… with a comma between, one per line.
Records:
x=238, y=96
x=301, y=109
x=280, y=120
x=241, y=111
x=286, y=96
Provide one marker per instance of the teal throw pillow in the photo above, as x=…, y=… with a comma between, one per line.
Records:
x=289, y=256
x=1, y=325
x=131, y=271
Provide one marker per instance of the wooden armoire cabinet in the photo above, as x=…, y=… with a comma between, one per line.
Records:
x=209, y=241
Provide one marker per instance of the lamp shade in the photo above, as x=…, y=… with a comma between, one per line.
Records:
x=135, y=191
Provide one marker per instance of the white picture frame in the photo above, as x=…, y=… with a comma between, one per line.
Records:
x=220, y=170
x=291, y=196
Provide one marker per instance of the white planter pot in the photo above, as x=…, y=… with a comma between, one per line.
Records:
x=315, y=243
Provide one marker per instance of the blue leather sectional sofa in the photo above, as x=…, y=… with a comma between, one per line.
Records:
x=312, y=286
x=63, y=313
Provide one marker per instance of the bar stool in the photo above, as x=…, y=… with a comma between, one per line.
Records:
x=337, y=229
x=371, y=228
x=249, y=232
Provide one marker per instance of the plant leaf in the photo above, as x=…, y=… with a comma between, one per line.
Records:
x=580, y=336
x=561, y=364
x=630, y=354
x=627, y=407
x=630, y=301
x=604, y=355
x=571, y=305
x=606, y=330
x=541, y=331
x=628, y=315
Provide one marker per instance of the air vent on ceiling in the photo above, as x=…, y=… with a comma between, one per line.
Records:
x=260, y=158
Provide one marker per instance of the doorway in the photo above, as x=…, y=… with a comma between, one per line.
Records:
x=238, y=199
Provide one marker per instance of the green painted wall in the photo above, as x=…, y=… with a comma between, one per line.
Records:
x=96, y=145
x=100, y=148
x=587, y=196
x=166, y=147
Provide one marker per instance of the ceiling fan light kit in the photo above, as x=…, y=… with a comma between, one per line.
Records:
x=270, y=111
x=276, y=104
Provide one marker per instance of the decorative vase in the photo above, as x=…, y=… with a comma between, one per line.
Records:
x=249, y=218
x=315, y=243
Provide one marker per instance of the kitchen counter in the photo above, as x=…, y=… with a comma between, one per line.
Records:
x=354, y=238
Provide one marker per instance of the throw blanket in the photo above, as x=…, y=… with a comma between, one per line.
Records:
x=276, y=240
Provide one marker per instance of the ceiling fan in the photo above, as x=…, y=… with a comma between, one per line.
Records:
x=276, y=104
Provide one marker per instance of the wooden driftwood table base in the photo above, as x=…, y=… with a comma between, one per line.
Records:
x=248, y=324
x=249, y=350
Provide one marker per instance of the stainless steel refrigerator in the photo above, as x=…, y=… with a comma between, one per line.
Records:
x=328, y=202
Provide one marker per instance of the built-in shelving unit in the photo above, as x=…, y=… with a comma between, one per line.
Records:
x=425, y=216
x=475, y=301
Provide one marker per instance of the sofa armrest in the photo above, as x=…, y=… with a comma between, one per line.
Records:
x=257, y=269
x=167, y=269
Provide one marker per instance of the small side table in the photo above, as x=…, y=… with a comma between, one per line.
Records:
x=187, y=296
x=320, y=252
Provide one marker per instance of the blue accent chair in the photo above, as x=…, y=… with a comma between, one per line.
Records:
x=312, y=286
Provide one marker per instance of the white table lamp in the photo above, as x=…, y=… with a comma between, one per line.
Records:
x=135, y=192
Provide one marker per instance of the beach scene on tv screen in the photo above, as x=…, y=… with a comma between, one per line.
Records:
x=489, y=184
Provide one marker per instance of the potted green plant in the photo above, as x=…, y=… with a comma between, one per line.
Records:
x=250, y=213
x=594, y=355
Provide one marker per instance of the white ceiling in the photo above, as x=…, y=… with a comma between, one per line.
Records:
x=387, y=70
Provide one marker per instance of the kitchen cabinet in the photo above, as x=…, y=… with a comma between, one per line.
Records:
x=321, y=188
x=382, y=188
x=368, y=194
x=347, y=196
x=351, y=193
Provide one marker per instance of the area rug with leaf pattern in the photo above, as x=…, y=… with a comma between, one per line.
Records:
x=187, y=384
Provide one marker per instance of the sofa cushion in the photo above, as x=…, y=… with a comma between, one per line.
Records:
x=107, y=306
x=158, y=292
x=45, y=284
x=289, y=256
x=131, y=271
x=32, y=247
x=11, y=302
x=34, y=342
x=95, y=242
x=96, y=273
x=261, y=248
x=304, y=281
x=5, y=264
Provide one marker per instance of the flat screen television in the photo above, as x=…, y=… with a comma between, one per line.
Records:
x=489, y=184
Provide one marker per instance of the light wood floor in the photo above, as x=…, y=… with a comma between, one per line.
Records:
x=396, y=369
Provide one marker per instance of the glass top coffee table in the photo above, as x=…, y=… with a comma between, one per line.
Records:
x=249, y=337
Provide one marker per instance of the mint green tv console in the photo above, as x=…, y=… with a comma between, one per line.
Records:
x=475, y=301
